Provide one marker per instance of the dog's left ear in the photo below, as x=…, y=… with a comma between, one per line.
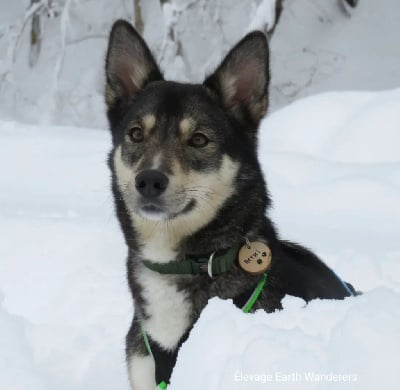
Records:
x=242, y=79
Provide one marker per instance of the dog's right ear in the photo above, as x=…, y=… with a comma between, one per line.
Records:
x=129, y=66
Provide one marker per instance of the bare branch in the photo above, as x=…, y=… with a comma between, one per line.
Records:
x=278, y=13
x=139, y=24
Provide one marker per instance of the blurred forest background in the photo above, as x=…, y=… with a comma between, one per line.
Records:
x=52, y=51
x=331, y=161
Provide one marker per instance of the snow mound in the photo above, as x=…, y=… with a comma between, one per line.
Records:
x=332, y=159
x=18, y=371
x=334, y=344
x=65, y=305
x=350, y=127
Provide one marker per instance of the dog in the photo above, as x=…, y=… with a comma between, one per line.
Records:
x=190, y=197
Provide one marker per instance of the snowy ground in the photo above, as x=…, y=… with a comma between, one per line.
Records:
x=333, y=168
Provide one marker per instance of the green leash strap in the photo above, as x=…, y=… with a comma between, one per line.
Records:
x=255, y=295
x=146, y=341
x=162, y=385
x=246, y=309
x=220, y=262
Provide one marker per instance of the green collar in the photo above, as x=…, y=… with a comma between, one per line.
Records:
x=218, y=263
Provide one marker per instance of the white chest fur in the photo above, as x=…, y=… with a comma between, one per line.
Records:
x=159, y=243
x=168, y=309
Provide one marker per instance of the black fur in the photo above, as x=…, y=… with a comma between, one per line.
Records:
x=233, y=118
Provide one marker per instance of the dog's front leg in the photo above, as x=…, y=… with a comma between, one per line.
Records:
x=141, y=365
x=164, y=362
x=146, y=371
x=141, y=371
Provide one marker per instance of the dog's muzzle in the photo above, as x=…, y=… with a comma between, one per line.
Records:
x=154, y=202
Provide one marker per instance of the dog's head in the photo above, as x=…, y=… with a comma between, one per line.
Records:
x=180, y=151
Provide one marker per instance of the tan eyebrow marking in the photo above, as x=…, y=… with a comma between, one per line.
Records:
x=149, y=121
x=186, y=125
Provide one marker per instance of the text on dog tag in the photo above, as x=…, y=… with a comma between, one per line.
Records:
x=255, y=257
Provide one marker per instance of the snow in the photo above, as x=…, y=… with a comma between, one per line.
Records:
x=331, y=165
x=351, y=140
x=293, y=347
x=316, y=47
x=74, y=80
x=62, y=271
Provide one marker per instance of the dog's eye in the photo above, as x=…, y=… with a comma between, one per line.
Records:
x=198, y=140
x=136, y=134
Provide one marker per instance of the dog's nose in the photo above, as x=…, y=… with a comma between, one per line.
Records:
x=151, y=183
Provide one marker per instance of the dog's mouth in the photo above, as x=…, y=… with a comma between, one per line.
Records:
x=158, y=211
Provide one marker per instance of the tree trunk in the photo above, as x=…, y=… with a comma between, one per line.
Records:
x=139, y=24
x=36, y=35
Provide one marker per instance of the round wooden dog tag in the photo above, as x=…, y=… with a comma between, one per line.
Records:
x=255, y=257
